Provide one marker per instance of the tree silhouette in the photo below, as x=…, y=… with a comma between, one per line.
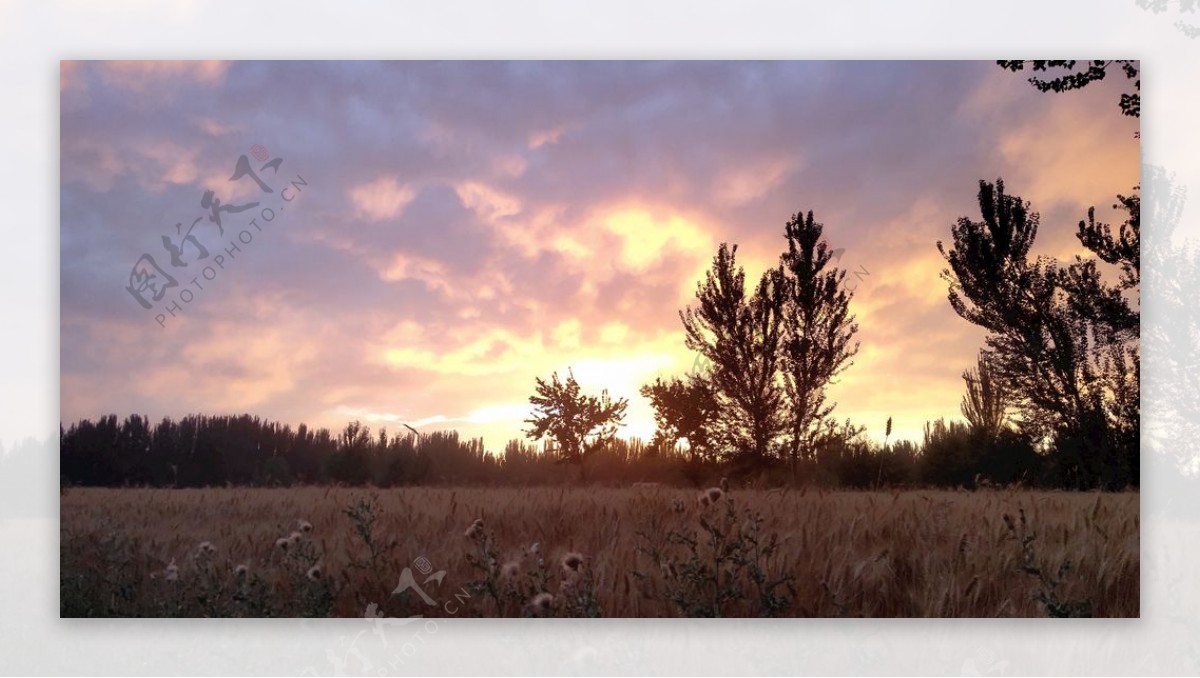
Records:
x=580, y=424
x=985, y=402
x=1087, y=73
x=350, y=463
x=1062, y=340
x=740, y=337
x=1124, y=249
x=817, y=333
x=684, y=409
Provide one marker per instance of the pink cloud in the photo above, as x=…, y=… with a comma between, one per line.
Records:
x=141, y=75
x=383, y=198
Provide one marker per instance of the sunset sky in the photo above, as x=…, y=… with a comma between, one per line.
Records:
x=462, y=228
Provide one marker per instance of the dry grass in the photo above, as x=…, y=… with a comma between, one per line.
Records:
x=646, y=552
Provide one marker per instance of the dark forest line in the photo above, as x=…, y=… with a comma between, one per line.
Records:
x=203, y=451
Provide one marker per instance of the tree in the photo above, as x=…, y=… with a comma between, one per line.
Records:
x=684, y=409
x=740, y=337
x=1119, y=364
x=1089, y=72
x=580, y=424
x=985, y=402
x=817, y=333
x=349, y=463
x=1061, y=339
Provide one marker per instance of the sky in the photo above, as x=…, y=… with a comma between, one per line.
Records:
x=430, y=237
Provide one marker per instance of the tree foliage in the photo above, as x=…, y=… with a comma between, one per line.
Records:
x=1123, y=248
x=578, y=423
x=1079, y=74
x=818, y=331
x=684, y=409
x=1063, y=341
x=740, y=336
x=985, y=403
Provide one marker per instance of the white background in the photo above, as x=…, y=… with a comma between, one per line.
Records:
x=35, y=35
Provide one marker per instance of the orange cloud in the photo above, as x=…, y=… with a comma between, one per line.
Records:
x=491, y=204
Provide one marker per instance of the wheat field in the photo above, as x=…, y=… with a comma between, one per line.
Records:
x=614, y=552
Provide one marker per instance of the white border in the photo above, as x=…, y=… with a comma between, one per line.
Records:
x=35, y=35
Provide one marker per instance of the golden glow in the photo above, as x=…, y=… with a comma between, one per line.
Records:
x=645, y=239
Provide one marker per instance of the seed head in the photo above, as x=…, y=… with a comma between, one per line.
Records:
x=314, y=573
x=541, y=603
x=510, y=570
x=475, y=528
x=571, y=563
x=305, y=526
x=283, y=543
x=241, y=570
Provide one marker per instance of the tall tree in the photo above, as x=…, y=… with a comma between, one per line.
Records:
x=818, y=331
x=1060, y=336
x=579, y=424
x=740, y=336
x=1118, y=365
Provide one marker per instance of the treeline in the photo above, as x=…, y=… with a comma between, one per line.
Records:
x=202, y=451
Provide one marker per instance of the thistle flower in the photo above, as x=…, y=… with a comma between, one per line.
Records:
x=510, y=570
x=206, y=548
x=713, y=494
x=283, y=543
x=314, y=573
x=541, y=603
x=241, y=570
x=571, y=563
x=295, y=537
x=305, y=526
x=475, y=528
